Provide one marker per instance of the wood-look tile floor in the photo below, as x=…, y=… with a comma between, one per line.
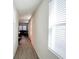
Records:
x=26, y=51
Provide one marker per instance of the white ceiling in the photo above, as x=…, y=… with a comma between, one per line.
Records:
x=26, y=7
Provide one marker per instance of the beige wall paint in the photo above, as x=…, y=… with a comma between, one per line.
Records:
x=39, y=34
x=30, y=29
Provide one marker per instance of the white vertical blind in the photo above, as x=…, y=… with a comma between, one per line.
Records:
x=20, y=27
x=24, y=28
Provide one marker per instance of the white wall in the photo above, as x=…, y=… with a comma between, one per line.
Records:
x=40, y=32
x=15, y=32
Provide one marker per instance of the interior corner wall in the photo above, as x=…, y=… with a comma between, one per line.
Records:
x=15, y=31
x=40, y=32
x=30, y=29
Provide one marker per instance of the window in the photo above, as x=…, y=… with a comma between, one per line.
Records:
x=57, y=26
x=23, y=27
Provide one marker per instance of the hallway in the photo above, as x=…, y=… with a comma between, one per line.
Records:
x=26, y=51
x=31, y=16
